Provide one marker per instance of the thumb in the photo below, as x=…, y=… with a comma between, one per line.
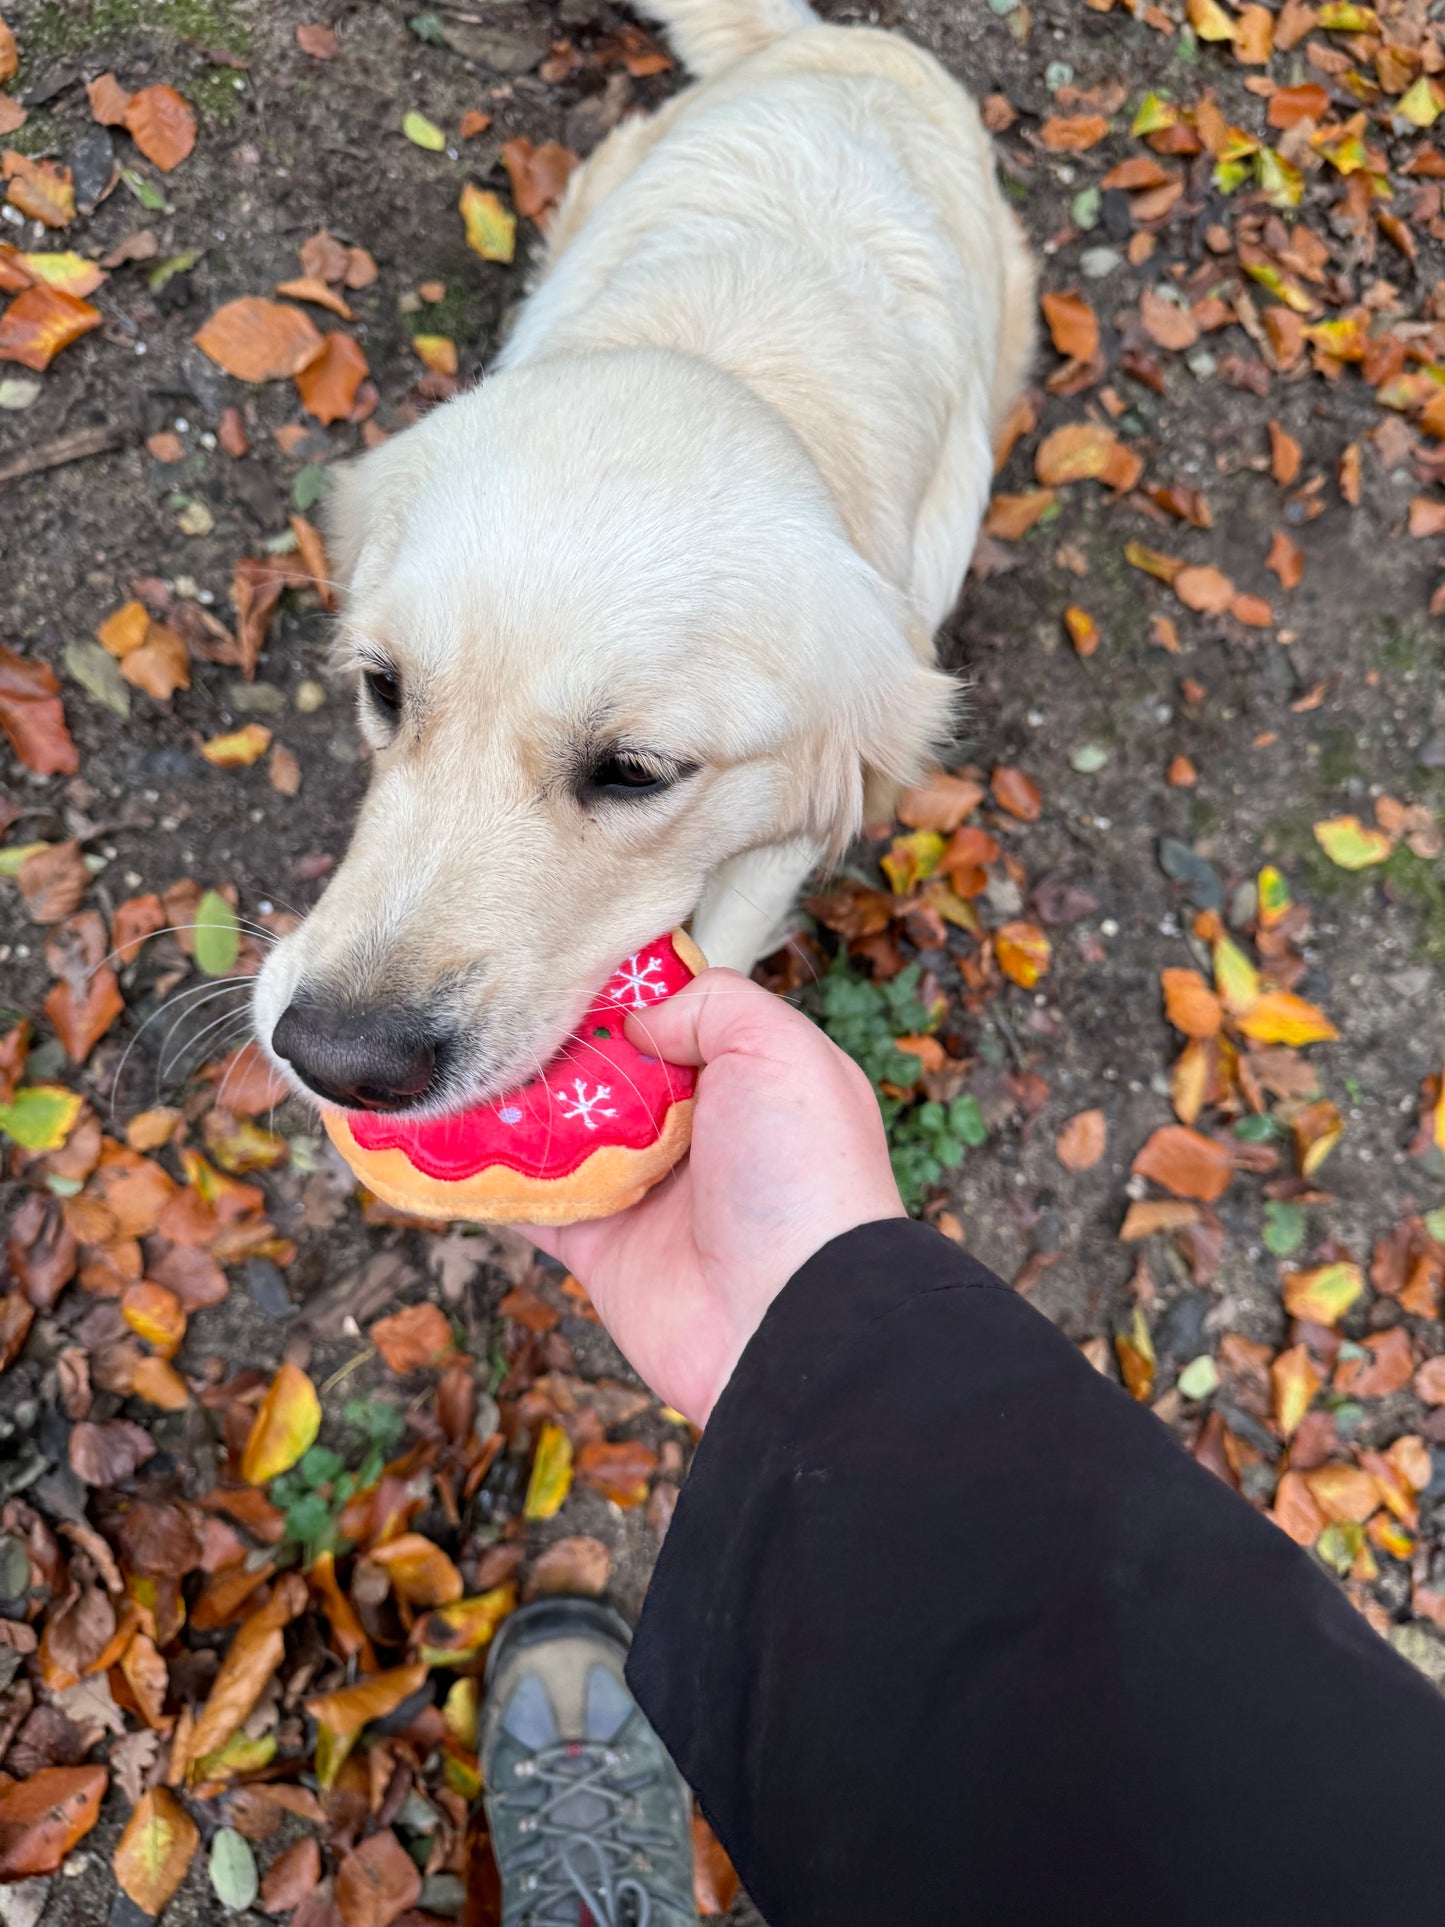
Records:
x=717, y=1012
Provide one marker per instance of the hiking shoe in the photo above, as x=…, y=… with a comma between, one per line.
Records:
x=591, y=1822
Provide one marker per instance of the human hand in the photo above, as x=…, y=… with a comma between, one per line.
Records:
x=788, y=1151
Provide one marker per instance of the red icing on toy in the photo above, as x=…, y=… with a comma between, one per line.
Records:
x=598, y=1090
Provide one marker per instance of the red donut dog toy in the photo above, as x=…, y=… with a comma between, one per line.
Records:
x=589, y=1137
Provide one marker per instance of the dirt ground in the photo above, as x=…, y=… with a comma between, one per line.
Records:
x=290, y=144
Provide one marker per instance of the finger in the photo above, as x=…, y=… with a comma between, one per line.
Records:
x=717, y=1012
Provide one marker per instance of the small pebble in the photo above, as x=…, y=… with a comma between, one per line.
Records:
x=267, y=1289
x=1095, y=263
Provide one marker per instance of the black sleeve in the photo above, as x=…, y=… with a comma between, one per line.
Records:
x=947, y=1629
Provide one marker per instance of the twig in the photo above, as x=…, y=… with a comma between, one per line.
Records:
x=65, y=448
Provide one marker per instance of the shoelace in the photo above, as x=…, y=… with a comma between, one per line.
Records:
x=557, y=1879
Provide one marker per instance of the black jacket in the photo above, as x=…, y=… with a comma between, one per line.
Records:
x=946, y=1628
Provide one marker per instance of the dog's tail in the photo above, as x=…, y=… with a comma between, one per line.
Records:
x=708, y=35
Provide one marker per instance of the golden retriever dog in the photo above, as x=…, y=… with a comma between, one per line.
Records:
x=640, y=621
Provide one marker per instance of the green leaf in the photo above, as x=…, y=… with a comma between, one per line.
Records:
x=1435, y=1225
x=1284, y=1228
x=1256, y=1130
x=98, y=674
x=12, y=858
x=422, y=132
x=320, y=1465
x=173, y=265
x=1088, y=759
x=1200, y=1377
x=428, y=27
x=233, y=1870
x=967, y=1119
x=310, y=485
x=309, y=1519
x=146, y=192
x=218, y=935
x=40, y=1117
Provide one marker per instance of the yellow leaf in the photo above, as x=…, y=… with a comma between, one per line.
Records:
x=551, y=1478
x=491, y=228
x=284, y=1428
x=1209, y=20
x=1341, y=16
x=1189, y=1080
x=912, y=859
x=1023, y=952
x=1282, y=182
x=420, y=1572
x=1317, y=1130
x=1346, y=841
x=238, y=750
x=1135, y=1352
x=68, y=271
x=1325, y=1294
x=461, y=1710
x=1083, y=630
x=1274, y=897
x=342, y=1715
x=1295, y=1382
x=154, y=1852
x=437, y=353
x=41, y=1116
x=1235, y=977
x=422, y=132
x=1154, y=116
x=463, y=1630
x=1279, y=1017
x=1420, y=106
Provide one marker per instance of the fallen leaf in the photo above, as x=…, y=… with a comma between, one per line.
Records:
x=1286, y=559
x=245, y=1672
x=436, y=353
x=239, y=749
x=1186, y=1163
x=32, y=716
x=42, y=1818
x=107, y=1454
x=1254, y=36
x=621, y=1472
x=155, y=1314
x=285, y=1426
x=329, y=380
x=376, y=1881
x=312, y=550
x=1016, y=793
x=714, y=1878
x=53, y=882
x=1317, y=1130
x=161, y=665
x=42, y=321
x=539, y=175
x=491, y=229
x=1189, y=1004
x=422, y=132
x=551, y=1475
x=1073, y=325
x=1064, y=135
x=342, y=1715
x=320, y=42
x=1167, y=323
x=1077, y=452
x=1345, y=1493
x=1346, y=842
x=293, y=1874
x=454, y=1633
x=17, y=1314
x=472, y=123
x=1023, y=952
x=1083, y=630
x=1279, y=1017
x=258, y=340
x=1429, y=1381
x=1295, y=1511
x=108, y=100
x=162, y=125
x=1294, y=1382
x=311, y=288
x=419, y=1571
x=1390, y=1366
x=1082, y=1142
x=1010, y=517
x=154, y=1853
x=1207, y=590
x=41, y=1117
x=9, y=54
x=1323, y=1295
x=409, y=1339
x=574, y=1565
x=41, y=189
x=940, y=803
x=81, y=1019
x=1134, y=1350
x=232, y=1870
x=1347, y=472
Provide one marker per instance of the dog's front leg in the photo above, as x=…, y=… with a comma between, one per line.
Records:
x=746, y=905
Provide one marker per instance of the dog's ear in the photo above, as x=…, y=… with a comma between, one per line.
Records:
x=363, y=511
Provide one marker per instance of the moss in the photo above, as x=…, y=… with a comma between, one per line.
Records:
x=1420, y=886
x=1408, y=649
x=461, y=313
x=1339, y=756
x=99, y=29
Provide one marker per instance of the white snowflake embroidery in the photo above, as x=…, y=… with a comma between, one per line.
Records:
x=583, y=1105
x=634, y=980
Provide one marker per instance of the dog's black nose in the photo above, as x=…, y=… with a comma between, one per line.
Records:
x=383, y=1059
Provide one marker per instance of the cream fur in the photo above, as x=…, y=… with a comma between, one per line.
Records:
x=716, y=496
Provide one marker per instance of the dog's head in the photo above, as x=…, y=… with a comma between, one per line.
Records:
x=607, y=631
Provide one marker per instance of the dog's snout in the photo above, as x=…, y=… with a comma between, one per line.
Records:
x=378, y=1059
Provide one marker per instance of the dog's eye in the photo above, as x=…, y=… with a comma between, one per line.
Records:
x=383, y=687
x=619, y=774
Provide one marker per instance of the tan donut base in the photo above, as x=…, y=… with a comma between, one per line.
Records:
x=611, y=1179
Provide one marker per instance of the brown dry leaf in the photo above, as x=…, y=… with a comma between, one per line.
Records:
x=416, y=1336
x=329, y=381
x=9, y=54
x=311, y=288
x=284, y=771
x=12, y=114
x=1208, y=590
x=714, y=1878
x=1286, y=559
x=940, y=802
x=1167, y=324
x=17, y=1315
x=1345, y=1493
x=108, y=1454
x=258, y=340
x=345, y=1712
x=81, y=1019
x=245, y=1672
x=1347, y=472
x=1073, y=325
x=41, y=189
x=1295, y=1511
x=1430, y=1382
x=162, y=125
x=1082, y=1142
x=294, y=1874
x=420, y=1572
x=539, y=175
x=42, y=1818
x=1189, y=1004
x=320, y=42
x=33, y=717
x=1016, y=793
x=472, y=123
x=377, y=1881
x=135, y=920
x=108, y=100
x=574, y=1565
x=1254, y=36
x=1077, y=452
x=1010, y=517
x=1427, y=516
x=1294, y=1382
x=1063, y=135
x=1186, y=1163
x=154, y=1853
x=53, y=882
x=42, y=321
x=40, y=1248
x=620, y=1472
x=161, y=665
x=1284, y=455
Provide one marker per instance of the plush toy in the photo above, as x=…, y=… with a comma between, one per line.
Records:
x=589, y=1137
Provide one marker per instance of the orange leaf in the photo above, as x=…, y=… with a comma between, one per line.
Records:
x=245, y=1672
x=43, y=1817
x=283, y=1429
x=81, y=1021
x=1290, y=105
x=714, y=1878
x=1344, y=1493
x=472, y=123
x=1295, y=1510
x=1427, y=517
x=1083, y=630
x=1181, y=773
x=1073, y=325
x=1151, y=1215
x=416, y=1336
x=1061, y=135
x=320, y=42
x=329, y=381
x=420, y=1572
x=41, y=189
x=939, y=803
x=161, y=665
x=9, y=54
x=1252, y=610
x=1190, y=1078
x=377, y=1881
x=347, y=1630
x=161, y=1385
x=1286, y=559
x=42, y=321
x=620, y=1472
x=309, y=287
x=154, y=1314
x=1017, y=793
x=1284, y=455
x=1012, y=516
x=1324, y=1294
x=154, y=1852
x=1205, y=589
x=345, y=1712
x=258, y=340
x=12, y=114
x=1166, y=323
x=1081, y=1143
x=539, y=175
x=1186, y=1163
x=162, y=126
x=1077, y=452
x=125, y=629
x=1254, y=36
x=1023, y=952
x=108, y=100
x=1189, y=1004
x=312, y=550
x=1295, y=1382
x=1347, y=471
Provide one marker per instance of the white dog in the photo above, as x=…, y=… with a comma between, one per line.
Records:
x=641, y=619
